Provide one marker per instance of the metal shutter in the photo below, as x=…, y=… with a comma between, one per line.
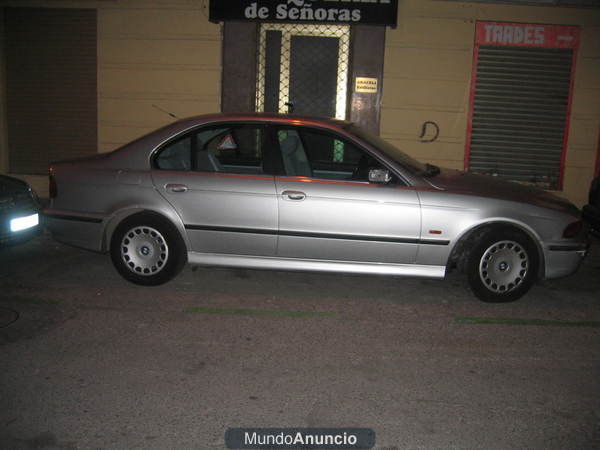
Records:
x=520, y=102
x=51, y=86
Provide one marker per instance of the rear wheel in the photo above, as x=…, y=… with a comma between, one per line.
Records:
x=146, y=249
x=502, y=265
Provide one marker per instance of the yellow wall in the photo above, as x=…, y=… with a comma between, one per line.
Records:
x=162, y=53
x=150, y=52
x=427, y=73
x=166, y=53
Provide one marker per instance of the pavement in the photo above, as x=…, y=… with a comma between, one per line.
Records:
x=91, y=361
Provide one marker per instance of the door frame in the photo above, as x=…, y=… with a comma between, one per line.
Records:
x=240, y=68
x=284, y=77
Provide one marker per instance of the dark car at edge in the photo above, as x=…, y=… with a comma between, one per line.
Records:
x=19, y=211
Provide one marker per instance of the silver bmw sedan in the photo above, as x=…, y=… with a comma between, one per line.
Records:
x=300, y=193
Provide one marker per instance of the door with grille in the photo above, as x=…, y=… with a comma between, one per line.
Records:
x=303, y=69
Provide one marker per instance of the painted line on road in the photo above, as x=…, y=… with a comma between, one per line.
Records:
x=517, y=321
x=35, y=300
x=256, y=312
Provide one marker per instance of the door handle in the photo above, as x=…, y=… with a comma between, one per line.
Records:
x=294, y=195
x=176, y=187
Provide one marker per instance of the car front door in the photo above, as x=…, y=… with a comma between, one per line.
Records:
x=214, y=178
x=328, y=210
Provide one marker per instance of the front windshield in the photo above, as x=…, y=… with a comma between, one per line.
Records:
x=397, y=155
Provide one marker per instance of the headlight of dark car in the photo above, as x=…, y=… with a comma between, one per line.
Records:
x=19, y=210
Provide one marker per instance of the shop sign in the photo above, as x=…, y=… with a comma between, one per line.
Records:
x=380, y=12
x=527, y=35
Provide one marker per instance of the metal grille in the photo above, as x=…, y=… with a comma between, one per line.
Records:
x=303, y=69
x=520, y=113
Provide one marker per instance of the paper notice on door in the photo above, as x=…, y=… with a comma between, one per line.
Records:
x=366, y=85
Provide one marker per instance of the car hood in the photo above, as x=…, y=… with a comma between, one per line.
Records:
x=491, y=187
x=10, y=186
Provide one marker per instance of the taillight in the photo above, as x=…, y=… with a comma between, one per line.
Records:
x=573, y=229
x=52, y=189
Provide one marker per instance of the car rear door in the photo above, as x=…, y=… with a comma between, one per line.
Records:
x=214, y=178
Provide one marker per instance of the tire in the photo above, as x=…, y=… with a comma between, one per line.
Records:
x=147, y=249
x=502, y=265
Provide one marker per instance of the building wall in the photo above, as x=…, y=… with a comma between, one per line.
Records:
x=427, y=74
x=165, y=54
x=3, y=130
x=153, y=56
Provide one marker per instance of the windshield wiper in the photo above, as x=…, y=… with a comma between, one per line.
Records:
x=431, y=170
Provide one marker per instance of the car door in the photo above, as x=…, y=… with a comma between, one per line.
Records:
x=215, y=180
x=328, y=210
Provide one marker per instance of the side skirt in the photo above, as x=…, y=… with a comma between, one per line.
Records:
x=313, y=265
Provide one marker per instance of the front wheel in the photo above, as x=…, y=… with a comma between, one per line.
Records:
x=146, y=249
x=502, y=266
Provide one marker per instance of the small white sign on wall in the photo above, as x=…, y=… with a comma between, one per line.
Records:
x=366, y=85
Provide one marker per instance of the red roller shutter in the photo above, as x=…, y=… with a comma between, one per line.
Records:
x=520, y=101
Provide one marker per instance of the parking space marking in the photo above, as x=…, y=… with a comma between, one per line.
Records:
x=257, y=312
x=34, y=300
x=520, y=321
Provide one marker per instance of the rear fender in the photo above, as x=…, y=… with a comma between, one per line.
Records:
x=119, y=215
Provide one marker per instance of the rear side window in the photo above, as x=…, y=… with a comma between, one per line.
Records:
x=175, y=156
x=220, y=149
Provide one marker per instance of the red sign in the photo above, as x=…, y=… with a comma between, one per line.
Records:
x=527, y=35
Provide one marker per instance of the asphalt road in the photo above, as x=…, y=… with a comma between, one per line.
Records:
x=90, y=361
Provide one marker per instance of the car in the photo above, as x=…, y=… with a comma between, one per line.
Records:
x=19, y=211
x=285, y=192
x=591, y=211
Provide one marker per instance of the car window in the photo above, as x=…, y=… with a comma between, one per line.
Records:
x=293, y=153
x=314, y=153
x=235, y=149
x=175, y=156
x=226, y=149
x=390, y=150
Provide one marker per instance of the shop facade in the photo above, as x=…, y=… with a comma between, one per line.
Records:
x=508, y=89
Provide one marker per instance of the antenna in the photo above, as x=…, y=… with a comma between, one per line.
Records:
x=165, y=111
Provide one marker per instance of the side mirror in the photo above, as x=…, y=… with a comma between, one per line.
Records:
x=382, y=176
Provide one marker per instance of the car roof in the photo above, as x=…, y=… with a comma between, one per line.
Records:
x=296, y=119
